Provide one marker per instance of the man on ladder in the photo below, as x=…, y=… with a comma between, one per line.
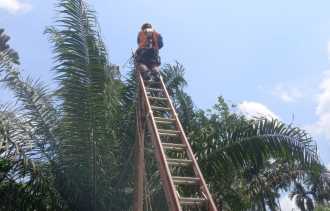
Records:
x=147, y=55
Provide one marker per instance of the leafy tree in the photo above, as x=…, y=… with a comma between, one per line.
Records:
x=241, y=158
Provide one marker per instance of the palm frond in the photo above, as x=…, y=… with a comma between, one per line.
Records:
x=253, y=143
x=24, y=172
x=174, y=77
x=88, y=92
x=4, y=47
x=35, y=101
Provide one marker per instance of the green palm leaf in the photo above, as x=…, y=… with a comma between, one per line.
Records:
x=24, y=175
x=88, y=92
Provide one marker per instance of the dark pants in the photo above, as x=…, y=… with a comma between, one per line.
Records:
x=149, y=73
x=147, y=56
x=148, y=62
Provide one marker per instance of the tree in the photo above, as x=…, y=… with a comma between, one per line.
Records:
x=74, y=143
x=87, y=92
x=239, y=157
x=26, y=142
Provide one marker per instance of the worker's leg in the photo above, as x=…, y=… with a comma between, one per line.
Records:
x=145, y=72
x=155, y=72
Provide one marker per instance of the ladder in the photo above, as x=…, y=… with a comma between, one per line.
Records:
x=184, y=186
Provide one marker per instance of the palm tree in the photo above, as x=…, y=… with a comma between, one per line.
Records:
x=26, y=141
x=235, y=155
x=76, y=140
x=88, y=150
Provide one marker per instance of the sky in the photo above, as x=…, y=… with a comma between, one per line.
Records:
x=268, y=57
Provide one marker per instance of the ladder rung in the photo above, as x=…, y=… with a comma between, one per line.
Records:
x=154, y=89
x=164, y=122
x=186, y=180
x=169, y=134
x=152, y=82
x=191, y=201
x=157, y=98
x=164, y=119
x=160, y=108
x=174, y=146
x=168, y=131
x=179, y=162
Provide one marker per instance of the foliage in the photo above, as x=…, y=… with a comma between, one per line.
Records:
x=248, y=162
x=322, y=208
x=87, y=93
x=4, y=47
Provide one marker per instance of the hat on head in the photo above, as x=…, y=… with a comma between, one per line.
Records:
x=146, y=26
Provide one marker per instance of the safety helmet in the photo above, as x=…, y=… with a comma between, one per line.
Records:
x=146, y=26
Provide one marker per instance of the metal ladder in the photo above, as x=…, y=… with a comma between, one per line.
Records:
x=184, y=186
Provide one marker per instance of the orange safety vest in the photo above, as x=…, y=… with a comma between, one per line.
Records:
x=143, y=40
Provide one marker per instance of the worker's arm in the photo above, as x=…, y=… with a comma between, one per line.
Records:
x=138, y=39
x=160, y=41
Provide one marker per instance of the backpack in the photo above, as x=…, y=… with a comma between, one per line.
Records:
x=149, y=39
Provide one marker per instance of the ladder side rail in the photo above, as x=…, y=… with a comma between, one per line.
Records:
x=139, y=167
x=197, y=170
x=164, y=169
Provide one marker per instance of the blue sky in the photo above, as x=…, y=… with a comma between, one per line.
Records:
x=269, y=57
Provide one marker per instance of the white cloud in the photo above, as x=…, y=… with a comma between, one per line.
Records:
x=324, y=97
x=322, y=126
x=254, y=109
x=287, y=94
x=287, y=205
x=14, y=6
